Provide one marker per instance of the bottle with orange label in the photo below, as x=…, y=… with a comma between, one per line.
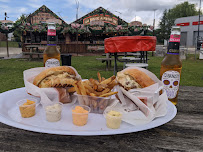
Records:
x=171, y=66
x=51, y=55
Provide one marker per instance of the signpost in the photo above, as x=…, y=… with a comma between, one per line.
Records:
x=198, y=42
x=7, y=37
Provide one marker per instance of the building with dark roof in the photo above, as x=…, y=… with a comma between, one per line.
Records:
x=102, y=15
x=44, y=15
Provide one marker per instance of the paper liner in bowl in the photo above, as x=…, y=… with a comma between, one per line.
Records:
x=134, y=110
x=47, y=95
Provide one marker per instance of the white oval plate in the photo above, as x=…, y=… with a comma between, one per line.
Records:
x=10, y=115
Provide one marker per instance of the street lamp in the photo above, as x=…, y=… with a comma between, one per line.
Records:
x=154, y=22
x=118, y=16
x=118, y=21
x=154, y=28
x=77, y=7
x=6, y=36
x=198, y=37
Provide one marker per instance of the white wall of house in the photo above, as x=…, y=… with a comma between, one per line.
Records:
x=189, y=32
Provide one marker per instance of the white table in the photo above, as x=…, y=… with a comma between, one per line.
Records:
x=141, y=65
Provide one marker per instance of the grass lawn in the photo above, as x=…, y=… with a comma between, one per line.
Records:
x=11, y=71
x=10, y=44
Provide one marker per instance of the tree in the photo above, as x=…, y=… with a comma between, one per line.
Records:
x=164, y=26
x=183, y=10
x=169, y=16
x=18, y=33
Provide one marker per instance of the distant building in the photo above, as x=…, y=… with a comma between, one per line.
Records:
x=102, y=15
x=44, y=15
x=135, y=23
x=189, y=30
x=38, y=32
x=99, y=24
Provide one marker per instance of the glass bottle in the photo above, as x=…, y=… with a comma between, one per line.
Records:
x=51, y=55
x=171, y=66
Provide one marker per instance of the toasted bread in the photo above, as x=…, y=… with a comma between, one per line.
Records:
x=133, y=78
x=61, y=76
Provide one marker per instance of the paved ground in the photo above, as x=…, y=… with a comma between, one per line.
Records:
x=13, y=52
x=17, y=52
x=161, y=48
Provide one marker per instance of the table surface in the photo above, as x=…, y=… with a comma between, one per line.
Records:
x=183, y=133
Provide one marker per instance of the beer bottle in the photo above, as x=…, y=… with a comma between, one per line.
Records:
x=171, y=66
x=51, y=55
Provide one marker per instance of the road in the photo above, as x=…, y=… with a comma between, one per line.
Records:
x=15, y=52
x=12, y=51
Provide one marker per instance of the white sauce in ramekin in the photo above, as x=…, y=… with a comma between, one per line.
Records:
x=53, y=112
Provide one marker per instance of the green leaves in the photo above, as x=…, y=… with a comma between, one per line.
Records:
x=169, y=16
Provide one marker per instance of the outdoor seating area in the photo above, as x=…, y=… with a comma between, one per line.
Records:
x=33, y=50
x=138, y=59
x=126, y=45
x=108, y=61
x=124, y=76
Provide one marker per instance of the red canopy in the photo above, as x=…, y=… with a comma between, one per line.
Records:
x=130, y=44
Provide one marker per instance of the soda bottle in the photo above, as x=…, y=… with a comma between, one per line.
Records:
x=171, y=66
x=51, y=55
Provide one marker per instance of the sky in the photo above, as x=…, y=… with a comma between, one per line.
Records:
x=128, y=10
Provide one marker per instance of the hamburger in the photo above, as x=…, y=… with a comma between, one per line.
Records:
x=62, y=76
x=133, y=78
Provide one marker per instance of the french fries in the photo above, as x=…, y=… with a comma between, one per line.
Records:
x=81, y=87
x=108, y=94
x=92, y=87
x=76, y=88
x=94, y=92
x=99, y=77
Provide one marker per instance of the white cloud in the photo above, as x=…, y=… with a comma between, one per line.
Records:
x=23, y=10
x=34, y=5
x=136, y=18
x=12, y=12
x=125, y=9
x=130, y=8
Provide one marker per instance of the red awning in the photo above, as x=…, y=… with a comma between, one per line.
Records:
x=130, y=44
